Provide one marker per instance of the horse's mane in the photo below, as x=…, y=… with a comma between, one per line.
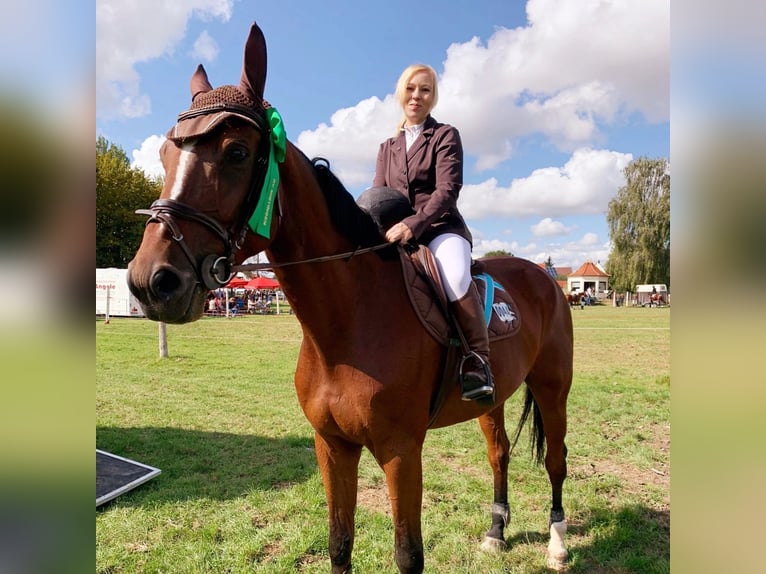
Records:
x=347, y=217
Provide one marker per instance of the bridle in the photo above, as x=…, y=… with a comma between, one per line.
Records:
x=215, y=270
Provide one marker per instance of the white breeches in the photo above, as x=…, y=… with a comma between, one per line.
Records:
x=453, y=258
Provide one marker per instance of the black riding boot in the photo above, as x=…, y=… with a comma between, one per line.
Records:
x=475, y=375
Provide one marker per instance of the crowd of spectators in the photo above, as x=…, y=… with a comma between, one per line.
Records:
x=239, y=302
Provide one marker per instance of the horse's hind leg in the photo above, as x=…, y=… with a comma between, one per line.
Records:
x=339, y=464
x=550, y=420
x=498, y=450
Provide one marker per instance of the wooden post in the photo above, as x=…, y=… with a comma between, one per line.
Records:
x=108, y=292
x=163, y=340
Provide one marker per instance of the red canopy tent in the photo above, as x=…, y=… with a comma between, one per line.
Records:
x=261, y=283
x=237, y=283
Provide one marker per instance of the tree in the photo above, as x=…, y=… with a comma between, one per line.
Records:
x=639, y=226
x=120, y=190
x=497, y=252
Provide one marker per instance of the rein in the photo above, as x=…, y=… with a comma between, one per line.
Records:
x=348, y=255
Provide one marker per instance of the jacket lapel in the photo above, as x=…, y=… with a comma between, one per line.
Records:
x=425, y=135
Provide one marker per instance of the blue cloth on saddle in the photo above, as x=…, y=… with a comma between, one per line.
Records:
x=489, y=294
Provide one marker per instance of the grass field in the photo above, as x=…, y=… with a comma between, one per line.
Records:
x=240, y=490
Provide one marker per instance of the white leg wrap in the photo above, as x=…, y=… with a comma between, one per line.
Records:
x=557, y=550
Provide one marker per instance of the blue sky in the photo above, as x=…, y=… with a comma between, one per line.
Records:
x=552, y=98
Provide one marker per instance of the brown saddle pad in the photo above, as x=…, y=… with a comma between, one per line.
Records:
x=429, y=301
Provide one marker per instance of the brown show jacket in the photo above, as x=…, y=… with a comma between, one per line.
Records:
x=430, y=175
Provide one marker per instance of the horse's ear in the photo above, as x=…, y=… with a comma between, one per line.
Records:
x=199, y=83
x=253, y=79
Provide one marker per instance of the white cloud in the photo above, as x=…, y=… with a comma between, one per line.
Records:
x=564, y=78
x=205, y=48
x=585, y=184
x=570, y=254
x=483, y=246
x=148, y=157
x=352, y=138
x=547, y=227
x=576, y=68
x=119, y=48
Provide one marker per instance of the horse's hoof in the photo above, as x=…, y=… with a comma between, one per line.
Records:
x=557, y=551
x=493, y=544
x=557, y=562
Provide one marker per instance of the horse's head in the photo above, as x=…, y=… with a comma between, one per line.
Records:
x=216, y=193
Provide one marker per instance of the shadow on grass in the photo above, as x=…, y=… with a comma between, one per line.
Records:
x=632, y=538
x=207, y=465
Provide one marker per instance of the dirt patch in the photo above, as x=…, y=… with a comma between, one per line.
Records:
x=456, y=463
x=307, y=559
x=634, y=480
x=266, y=554
x=374, y=498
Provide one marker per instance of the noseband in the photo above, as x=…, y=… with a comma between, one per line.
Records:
x=215, y=271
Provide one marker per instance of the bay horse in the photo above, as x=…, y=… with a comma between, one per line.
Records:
x=575, y=299
x=656, y=300
x=367, y=368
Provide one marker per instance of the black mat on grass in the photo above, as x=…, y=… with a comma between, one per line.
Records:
x=116, y=475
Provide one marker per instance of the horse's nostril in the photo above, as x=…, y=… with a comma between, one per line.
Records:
x=165, y=283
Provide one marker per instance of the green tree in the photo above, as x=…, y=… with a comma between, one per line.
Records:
x=639, y=226
x=498, y=252
x=120, y=190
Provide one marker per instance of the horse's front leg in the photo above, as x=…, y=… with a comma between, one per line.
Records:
x=339, y=464
x=498, y=450
x=402, y=463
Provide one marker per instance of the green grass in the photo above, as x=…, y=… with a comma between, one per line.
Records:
x=240, y=490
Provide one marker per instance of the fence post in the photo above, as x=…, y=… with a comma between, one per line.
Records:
x=108, y=291
x=163, y=340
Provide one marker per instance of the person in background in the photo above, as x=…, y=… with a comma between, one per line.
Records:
x=424, y=161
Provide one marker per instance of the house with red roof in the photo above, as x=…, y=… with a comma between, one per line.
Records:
x=591, y=275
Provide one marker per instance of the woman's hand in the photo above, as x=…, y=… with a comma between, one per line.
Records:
x=399, y=233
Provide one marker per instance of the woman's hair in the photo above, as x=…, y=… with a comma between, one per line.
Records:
x=401, y=88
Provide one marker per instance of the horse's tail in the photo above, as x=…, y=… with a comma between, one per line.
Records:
x=537, y=434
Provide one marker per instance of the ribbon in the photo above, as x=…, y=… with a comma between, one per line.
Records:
x=260, y=220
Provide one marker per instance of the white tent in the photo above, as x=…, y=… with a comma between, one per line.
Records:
x=113, y=298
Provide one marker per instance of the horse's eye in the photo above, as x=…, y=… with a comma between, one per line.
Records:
x=236, y=153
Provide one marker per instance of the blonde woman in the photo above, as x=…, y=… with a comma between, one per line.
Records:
x=424, y=162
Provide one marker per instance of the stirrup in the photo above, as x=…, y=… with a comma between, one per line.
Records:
x=483, y=391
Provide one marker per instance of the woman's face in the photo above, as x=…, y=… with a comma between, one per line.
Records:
x=419, y=98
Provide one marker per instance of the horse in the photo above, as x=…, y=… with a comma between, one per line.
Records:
x=367, y=370
x=575, y=299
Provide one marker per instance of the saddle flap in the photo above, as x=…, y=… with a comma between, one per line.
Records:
x=429, y=300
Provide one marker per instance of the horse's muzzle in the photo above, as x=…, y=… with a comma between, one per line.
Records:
x=166, y=293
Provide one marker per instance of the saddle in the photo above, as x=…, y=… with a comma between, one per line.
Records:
x=429, y=299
